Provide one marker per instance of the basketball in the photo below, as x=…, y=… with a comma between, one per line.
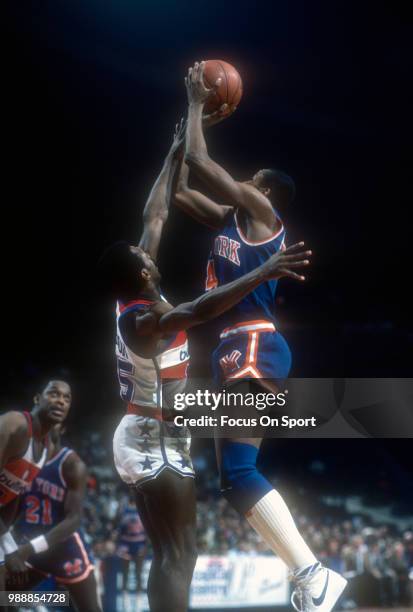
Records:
x=230, y=90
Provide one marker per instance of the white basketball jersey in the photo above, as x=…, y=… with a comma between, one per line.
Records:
x=144, y=382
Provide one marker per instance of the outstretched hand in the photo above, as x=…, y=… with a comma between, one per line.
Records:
x=196, y=90
x=282, y=263
x=178, y=137
x=219, y=115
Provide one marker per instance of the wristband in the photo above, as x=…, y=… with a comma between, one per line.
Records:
x=39, y=544
x=7, y=543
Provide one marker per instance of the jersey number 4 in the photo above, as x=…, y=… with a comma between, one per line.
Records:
x=38, y=512
x=211, y=279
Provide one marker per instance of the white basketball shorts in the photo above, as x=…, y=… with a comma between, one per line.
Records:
x=142, y=449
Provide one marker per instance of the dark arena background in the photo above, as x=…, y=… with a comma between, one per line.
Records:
x=92, y=92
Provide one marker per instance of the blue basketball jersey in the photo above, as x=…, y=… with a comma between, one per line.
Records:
x=250, y=344
x=69, y=561
x=232, y=256
x=43, y=504
x=131, y=528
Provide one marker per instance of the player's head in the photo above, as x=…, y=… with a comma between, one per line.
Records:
x=126, y=270
x=52, y=404
x=276, y=185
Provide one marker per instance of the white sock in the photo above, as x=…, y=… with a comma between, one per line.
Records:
x=272, y=520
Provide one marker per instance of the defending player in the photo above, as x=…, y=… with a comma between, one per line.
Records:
x=249, y=231
x=152, y=353
x=23, y=452
x=52, y=543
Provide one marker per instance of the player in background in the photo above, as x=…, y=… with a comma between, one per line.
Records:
x=131, y=545
x=51, y=511
x=152, y=354
x=249, y=230
x=23, y=453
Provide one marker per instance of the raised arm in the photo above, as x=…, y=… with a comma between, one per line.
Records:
x=212, y=304
x=156, y=208
x=227, y=190
x=196, y=204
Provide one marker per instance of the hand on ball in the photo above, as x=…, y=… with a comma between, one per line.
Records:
x=219, y=115
x=197, y=92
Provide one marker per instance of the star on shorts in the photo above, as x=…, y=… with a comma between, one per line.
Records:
x=145, y=429
x=147, y=464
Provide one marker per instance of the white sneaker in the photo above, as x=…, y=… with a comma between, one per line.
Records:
x=317, y=589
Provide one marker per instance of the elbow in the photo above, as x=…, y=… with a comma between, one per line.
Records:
x=196, y=161
x=178, y=198
x=158, y=218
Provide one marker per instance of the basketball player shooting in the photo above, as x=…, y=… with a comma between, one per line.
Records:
x=152, y=354
x=249, y=231
x=23, y=453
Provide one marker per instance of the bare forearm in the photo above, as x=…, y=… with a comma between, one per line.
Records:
x=213, y=303
x=156, y=209
x=226, y=190
x=63, y=530
x=178, y=182
x=217, y=301
x=195, y=145
x=182, y=176
x=157, y=203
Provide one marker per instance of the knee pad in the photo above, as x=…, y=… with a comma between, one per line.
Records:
x=241, y=483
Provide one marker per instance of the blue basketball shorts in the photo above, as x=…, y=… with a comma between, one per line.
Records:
x=69, y=561
x=251, y=350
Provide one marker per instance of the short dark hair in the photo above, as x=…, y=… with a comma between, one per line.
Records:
x=37, y=387
x=118, y=270
x=46, y=382
x=282, y=186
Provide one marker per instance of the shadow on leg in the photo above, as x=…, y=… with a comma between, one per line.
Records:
x=167, y=509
